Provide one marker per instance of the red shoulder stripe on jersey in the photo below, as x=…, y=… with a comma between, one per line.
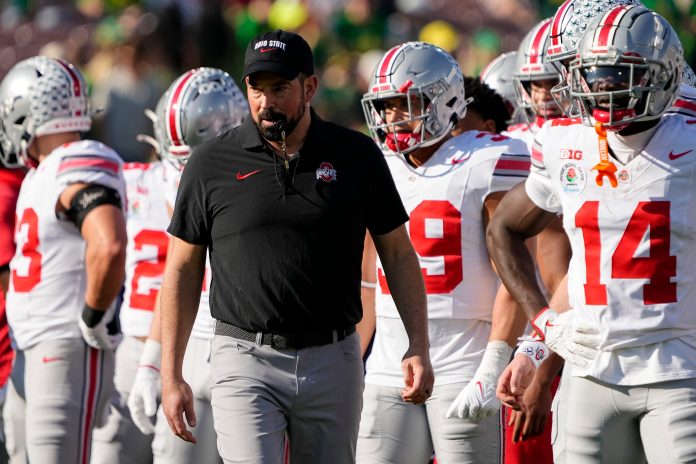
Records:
x=136, y=165
x=536, y=155
x=512, y=165
x=87, y=163
x=680, y=103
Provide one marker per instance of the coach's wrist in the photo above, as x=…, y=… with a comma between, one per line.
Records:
x=92, y=316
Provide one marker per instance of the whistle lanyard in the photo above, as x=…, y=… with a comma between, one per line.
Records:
x=605, y=167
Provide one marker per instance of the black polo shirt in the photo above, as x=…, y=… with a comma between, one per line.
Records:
x=286, y=243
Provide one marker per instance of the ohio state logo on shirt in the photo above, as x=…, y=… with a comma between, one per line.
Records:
x=326, y=172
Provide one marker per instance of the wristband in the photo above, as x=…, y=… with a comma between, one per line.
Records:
x=535, y=350
x=152, y=355
x=92, y=316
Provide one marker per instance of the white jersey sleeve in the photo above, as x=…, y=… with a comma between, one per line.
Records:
x=89, y=162
x=685, y=103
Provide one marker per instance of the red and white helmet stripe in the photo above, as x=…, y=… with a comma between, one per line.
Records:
x=173, y=107
x=604, y=34
x=385, y=69
x=558, y=24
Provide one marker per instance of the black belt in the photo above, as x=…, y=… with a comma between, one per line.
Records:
x=284, y=340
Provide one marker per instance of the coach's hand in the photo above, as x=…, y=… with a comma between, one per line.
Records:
x=418, y=376
x=177, y=403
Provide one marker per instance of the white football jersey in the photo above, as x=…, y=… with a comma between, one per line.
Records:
x=204, y=325
x=685, y=104
x=522, y=131
x=47, y=272
x=146, y=221
x=634, y=246
x=444, y=199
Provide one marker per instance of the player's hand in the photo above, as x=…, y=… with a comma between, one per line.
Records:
x=418, y=376
x=514, y=381
x=532, y=419
x=142, y=401
x=98, y=336
x=575, y=341
x=177, y=404
x=477, y=400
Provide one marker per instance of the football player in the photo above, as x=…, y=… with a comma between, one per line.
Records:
x=450, y=186
x=201, y=104
x=68, y=266
x=625, y=197
x=498, y=76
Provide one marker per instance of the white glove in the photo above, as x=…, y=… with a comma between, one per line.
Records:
x=147, y=387
x=477, y=400
x=576, y=342
x=98, y=336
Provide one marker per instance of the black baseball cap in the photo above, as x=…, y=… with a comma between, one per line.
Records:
x=281, y=52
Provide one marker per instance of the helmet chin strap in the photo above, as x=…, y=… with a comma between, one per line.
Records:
x=399, y=142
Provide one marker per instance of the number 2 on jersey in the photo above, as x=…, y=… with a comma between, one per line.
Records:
x=447, y=245
x=148, y=269
x=652, y=217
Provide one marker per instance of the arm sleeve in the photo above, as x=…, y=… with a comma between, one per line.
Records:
x=385, y=210
x=538, y=185
x=511, y=167
x=190, y=220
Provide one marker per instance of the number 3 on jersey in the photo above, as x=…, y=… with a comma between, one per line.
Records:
x=29, y=248
x=650, y=217
x=435, y=228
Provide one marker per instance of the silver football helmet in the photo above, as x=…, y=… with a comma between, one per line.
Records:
x=628, y=67
x=201, y=104
x=40, y=96
x=498, y=76
x=531, y=66
x=432, y=84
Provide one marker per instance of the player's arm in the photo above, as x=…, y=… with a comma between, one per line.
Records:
x=478, y=399
x=180, y=295
x=553, y=254
x=96, y=212
x=366, y=327
x=517, y=219
x=405, y=279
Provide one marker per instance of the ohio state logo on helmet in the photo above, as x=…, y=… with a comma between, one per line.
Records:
x=326, y=172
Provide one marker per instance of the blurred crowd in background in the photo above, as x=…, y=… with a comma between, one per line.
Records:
x=131, y=50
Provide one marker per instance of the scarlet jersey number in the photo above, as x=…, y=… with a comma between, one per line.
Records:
x=30, y=251
x=649, y=216
x=150, y=269
x=447, y=245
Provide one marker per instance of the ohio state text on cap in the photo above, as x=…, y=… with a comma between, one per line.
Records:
x=281, y=52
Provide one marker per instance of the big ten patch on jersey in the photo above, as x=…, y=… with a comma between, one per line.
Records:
x=146, y=223
x=634, y=248
x=47, y=272
x=445, y=198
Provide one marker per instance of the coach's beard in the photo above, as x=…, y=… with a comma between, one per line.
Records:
x=273, y=133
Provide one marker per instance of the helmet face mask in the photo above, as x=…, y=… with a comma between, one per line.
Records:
x=40, y=96
x=424, y=84
x=200, y=105
x=628, y=68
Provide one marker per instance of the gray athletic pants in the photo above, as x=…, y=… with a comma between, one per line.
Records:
x=625, y=425
x=13, y=413
x=259, y=393
x=119, y=441
x=67, y=386
x=393, y=431
x=167, y=447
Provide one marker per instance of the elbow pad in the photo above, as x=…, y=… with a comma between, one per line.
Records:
x=89, y=198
